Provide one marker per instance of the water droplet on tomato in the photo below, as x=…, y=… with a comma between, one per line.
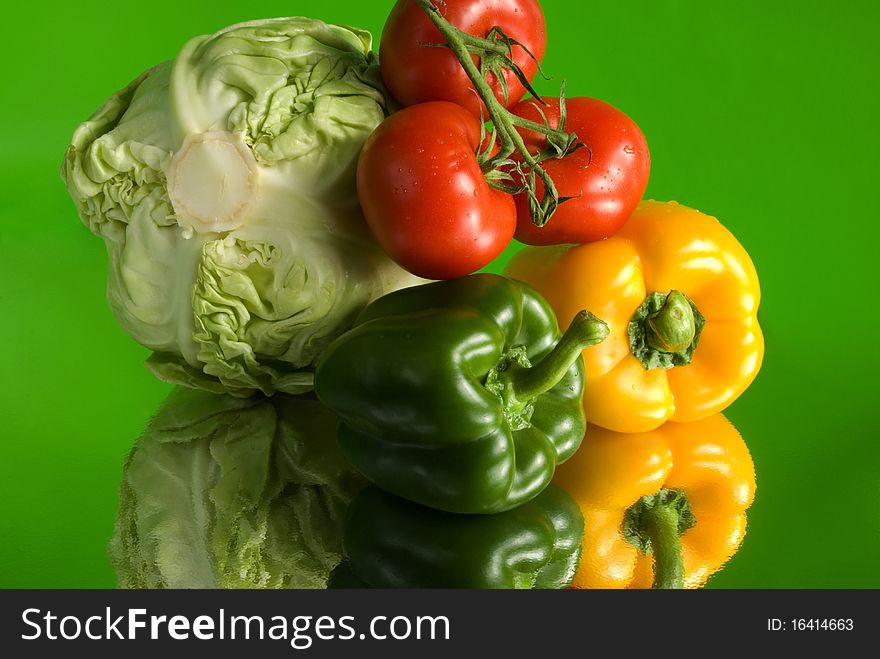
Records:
x=629, y=149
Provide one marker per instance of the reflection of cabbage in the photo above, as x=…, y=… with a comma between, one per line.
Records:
x=223, y=186
x=224, y=492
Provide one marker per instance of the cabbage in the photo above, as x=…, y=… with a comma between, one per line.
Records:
x=223, y=184
x=226, y=492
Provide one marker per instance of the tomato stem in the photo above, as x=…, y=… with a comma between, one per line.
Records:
x=528, y=124
x=480, y=44
x=477, y=45
x=560, y=143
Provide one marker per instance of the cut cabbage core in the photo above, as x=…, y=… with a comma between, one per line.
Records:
x=212, y=182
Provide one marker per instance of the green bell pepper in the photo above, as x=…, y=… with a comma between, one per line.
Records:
x=459, y=395
x=393, y=543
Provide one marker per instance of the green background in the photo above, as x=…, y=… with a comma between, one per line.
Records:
x=761, y=113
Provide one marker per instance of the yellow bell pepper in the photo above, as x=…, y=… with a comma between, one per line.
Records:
x=680, y=296
x=674, y=498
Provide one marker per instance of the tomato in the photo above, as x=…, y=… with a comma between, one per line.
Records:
x=415, y=73
x=424, y=196
x=606, y=180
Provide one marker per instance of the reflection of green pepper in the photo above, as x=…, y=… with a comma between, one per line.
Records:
x=393, y=543
x=459, y=395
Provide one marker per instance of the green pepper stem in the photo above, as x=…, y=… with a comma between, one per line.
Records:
x=502, y=120
x=528, y=382
x=660, y=526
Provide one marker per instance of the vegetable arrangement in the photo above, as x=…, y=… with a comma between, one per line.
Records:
x=273, y=201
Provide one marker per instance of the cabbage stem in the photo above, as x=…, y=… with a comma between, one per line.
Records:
x=212, y=182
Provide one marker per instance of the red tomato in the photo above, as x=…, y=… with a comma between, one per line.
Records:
x=415, y=73
x=425, y=197
x=607, y=179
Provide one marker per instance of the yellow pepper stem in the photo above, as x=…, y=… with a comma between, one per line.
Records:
x=665, y=329
x=672, y=325
x=654, y=525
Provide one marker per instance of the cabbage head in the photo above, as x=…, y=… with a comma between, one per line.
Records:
x=228, y=492
x=223, y=185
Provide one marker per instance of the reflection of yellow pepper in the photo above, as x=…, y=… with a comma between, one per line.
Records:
x=679, y=492
x=680, y=295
